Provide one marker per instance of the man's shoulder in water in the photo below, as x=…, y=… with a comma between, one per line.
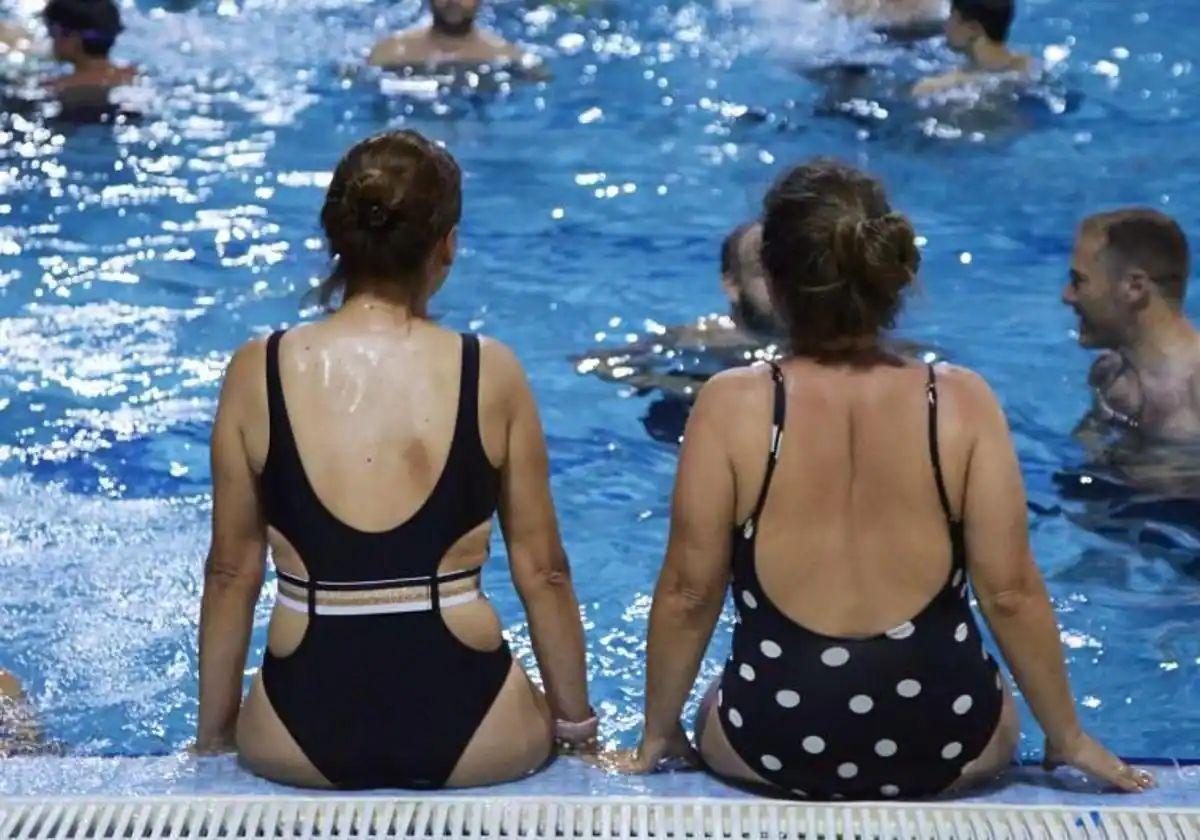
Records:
x=421, y=47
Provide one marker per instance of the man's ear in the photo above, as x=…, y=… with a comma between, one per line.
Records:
x=1135, y=287
x=975, y=30
x=729, y=285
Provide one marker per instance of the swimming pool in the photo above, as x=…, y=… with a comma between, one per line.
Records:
x=134, y=258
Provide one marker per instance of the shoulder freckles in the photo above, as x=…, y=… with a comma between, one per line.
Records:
x=734, y=385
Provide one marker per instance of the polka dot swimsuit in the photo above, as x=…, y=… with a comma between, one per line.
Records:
x=894, y=715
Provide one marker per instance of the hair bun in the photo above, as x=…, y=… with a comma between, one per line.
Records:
x=876, y=253
x=372, y=200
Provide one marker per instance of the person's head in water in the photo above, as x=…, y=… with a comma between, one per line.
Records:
x=82, y=29
x=1127, y=267
x=837, y=257
x=971, y=20
x=744, y=281
x=391, y=218
x=454, y=17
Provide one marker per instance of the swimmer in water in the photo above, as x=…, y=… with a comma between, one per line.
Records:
x=677, y=360
x=451, y=38
x=979, y=30
x=1128, y=282
x=18, y=729
x=82, y=33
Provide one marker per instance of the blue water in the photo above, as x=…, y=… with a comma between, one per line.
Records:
x=134, y=258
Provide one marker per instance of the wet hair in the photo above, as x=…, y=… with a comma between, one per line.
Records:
x=1144, y=238
x=729, y=247
x=837, y=257
x=392, y=198
x=995, y=16
x=97, y=22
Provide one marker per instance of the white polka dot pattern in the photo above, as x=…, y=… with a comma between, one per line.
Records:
x=735, y=717
x=771, y=762
x=770, y=649
x=908, y=688
x=952, y=750
x=958, y=579
x=848, y=770
x=963, y=704
x=813, y=745
x=860, y=704
x=787, y=699
x=749, y=600
x=746, y=672
x=902, y=632
x=890, y=790
x=835, y=657
x=885, y=748
x=961, y=632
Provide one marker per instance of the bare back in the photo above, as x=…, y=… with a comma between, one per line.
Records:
x=853, y=539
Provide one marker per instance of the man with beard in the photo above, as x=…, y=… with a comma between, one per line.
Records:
x=1128, y=281
x=452, y=38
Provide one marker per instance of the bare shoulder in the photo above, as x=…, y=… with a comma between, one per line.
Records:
x=966, y=390
x=733, y=390
x=399, y=47
x=1106, y=367
x=246, y=375
x=501, y=374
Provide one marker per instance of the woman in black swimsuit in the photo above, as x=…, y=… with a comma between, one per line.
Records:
x=849, y=498
x=370, y=451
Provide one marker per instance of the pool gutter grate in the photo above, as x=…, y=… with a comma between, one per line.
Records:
x=352, y=818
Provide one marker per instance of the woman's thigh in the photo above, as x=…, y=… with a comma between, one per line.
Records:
x=266, y=747
x=715, y=749
x=998, y=755
x=515, y=738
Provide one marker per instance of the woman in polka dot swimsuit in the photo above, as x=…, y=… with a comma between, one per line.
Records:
x=857, y=668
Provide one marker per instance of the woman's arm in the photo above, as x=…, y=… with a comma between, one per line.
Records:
x=233, y=572
x=691, y=587
x=535, y=551
x=1013, y=595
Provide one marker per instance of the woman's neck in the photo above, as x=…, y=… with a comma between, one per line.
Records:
x=384, y=303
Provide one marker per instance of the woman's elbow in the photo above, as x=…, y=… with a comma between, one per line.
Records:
x=548, y=577
x=687, y=600
x=244, y=574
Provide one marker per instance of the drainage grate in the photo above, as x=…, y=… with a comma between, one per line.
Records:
x=693, y=819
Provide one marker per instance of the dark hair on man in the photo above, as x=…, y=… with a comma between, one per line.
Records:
x=729, y=247
x=837, y=256
x=97, y=22
x=995, y=16
x=1145, y=239
x=392, y=198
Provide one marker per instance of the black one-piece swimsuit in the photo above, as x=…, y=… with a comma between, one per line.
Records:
x=381, y=698
x=894, y=715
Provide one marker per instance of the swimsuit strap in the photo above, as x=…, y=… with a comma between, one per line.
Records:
x=780, y=411
x=278, y=423
x=943, y=497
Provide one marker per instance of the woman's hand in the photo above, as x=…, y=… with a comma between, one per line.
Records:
x=1084, y=753
x=651, y=755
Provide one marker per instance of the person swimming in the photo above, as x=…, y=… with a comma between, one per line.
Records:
x=1127, y=286
x=82, y=34
x=370, y=451
x=452, y=38
x=852, y=498
x=19, y=733
x=979, y=30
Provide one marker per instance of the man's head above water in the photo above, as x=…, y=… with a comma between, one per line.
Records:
x=1129, y=268
x=454, y=17
x=82, y=29
x=744, y=280
x=971, y=20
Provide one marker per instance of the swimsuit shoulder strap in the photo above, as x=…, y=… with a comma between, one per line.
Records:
x=779, y=413
x=934, y=454
x=468, y=391
x=279, y=424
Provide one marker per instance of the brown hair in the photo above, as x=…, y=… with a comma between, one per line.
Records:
x=837, y=256
x=1144, y=238
x=392, y=198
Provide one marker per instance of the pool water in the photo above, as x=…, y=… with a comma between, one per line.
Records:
x=135, y=257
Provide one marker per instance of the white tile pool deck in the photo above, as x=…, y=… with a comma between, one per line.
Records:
x=182, y=775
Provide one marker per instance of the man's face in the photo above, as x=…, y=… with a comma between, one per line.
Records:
x=454, y=15
x=67, y=46
x=1092, y=291
x=959, y=33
